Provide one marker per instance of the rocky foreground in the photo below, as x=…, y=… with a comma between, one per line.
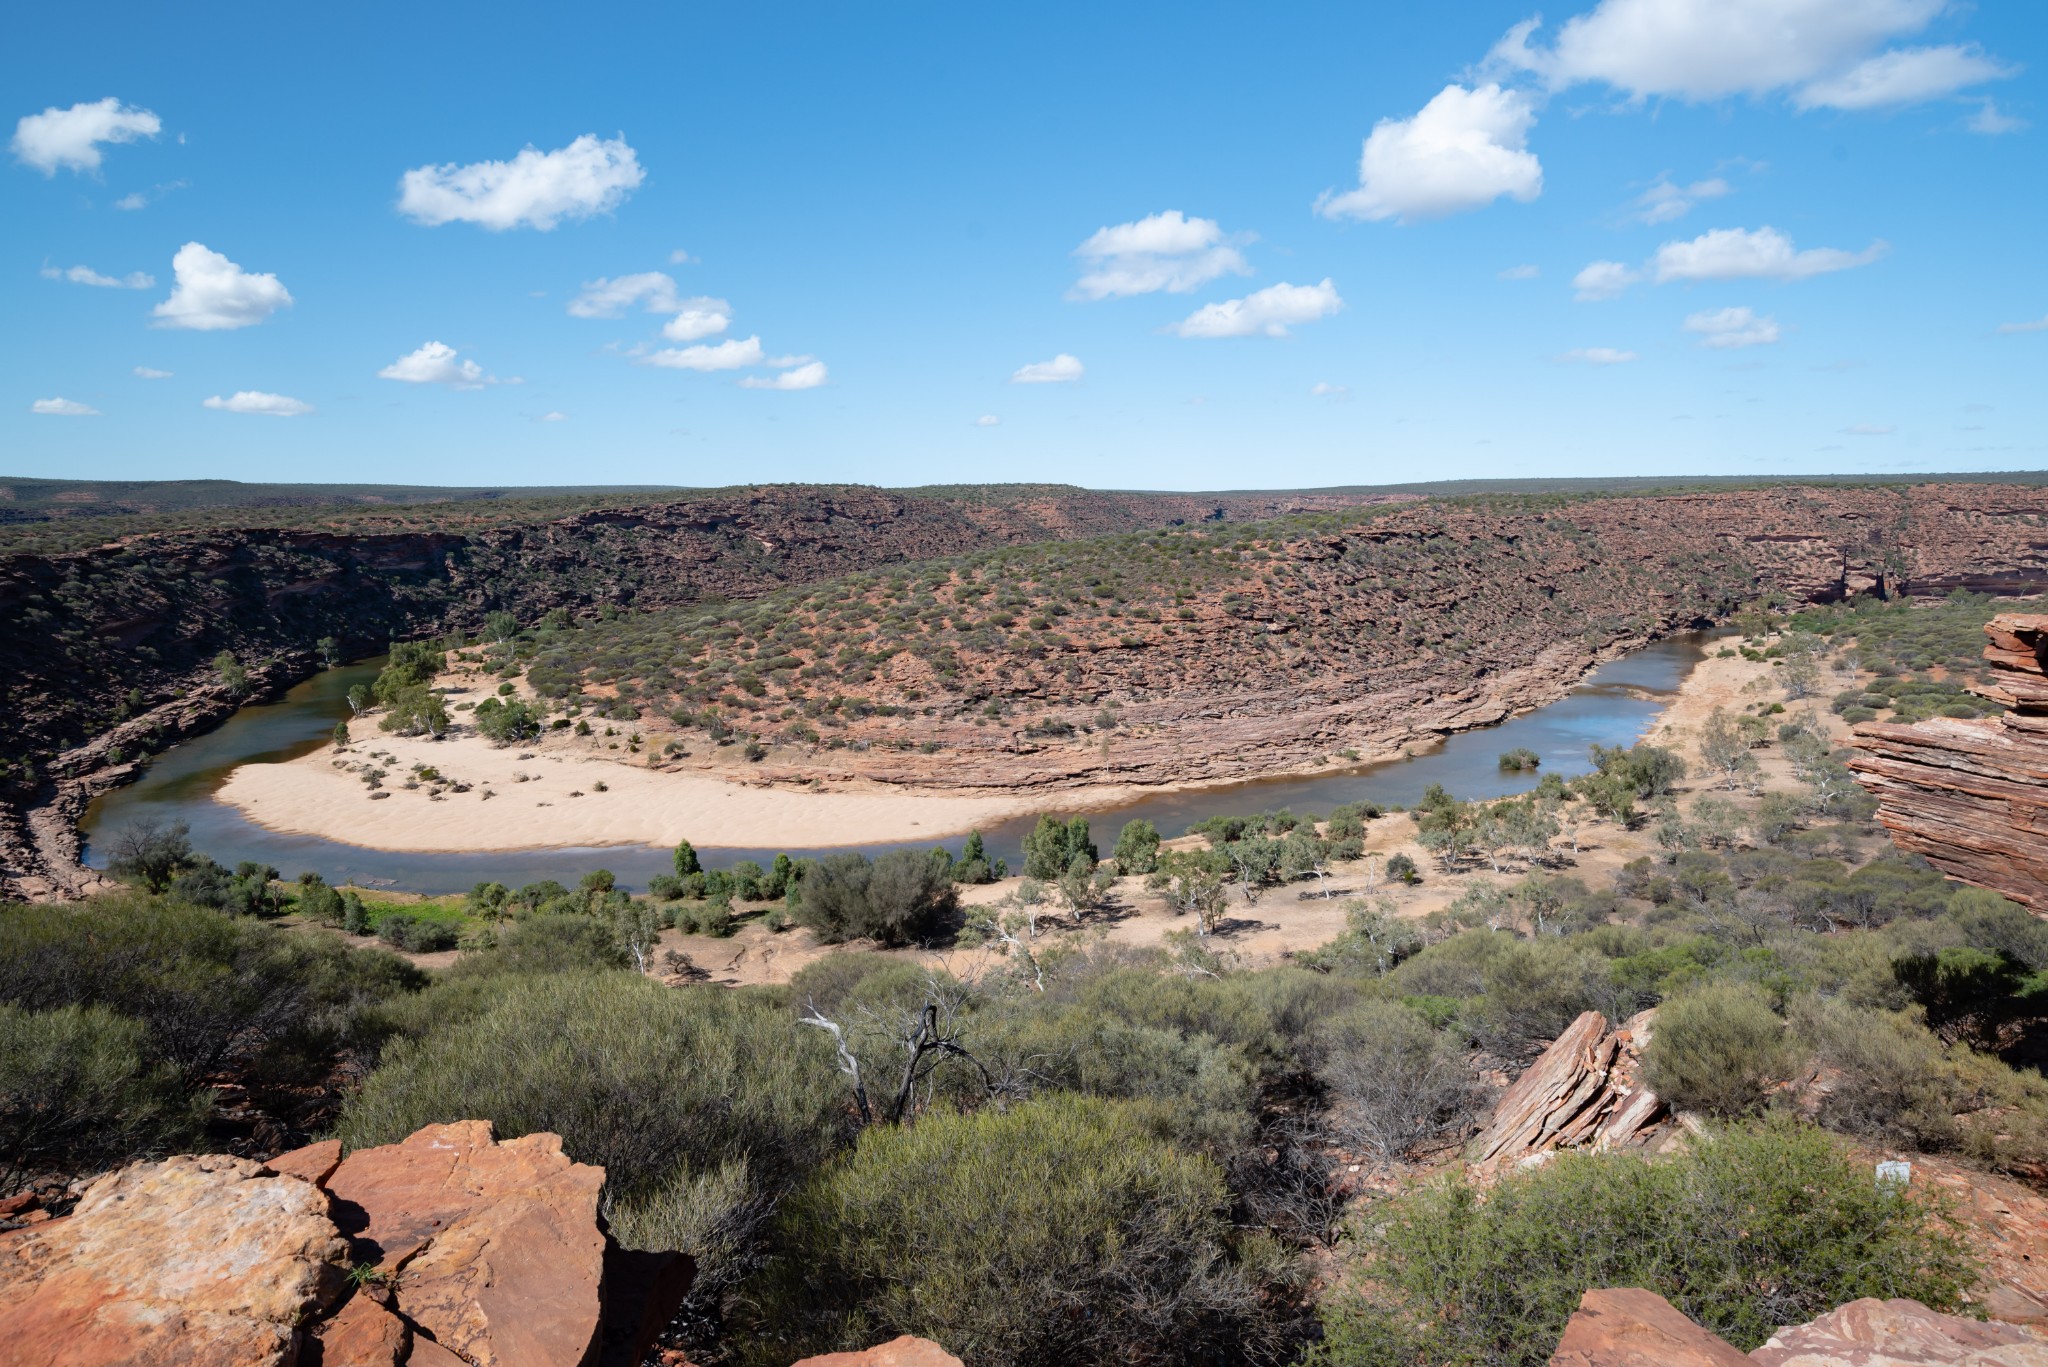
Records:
x=1972, y=795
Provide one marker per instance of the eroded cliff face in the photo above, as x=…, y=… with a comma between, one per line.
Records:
x=1972, y=795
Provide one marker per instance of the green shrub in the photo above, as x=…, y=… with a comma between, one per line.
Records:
x=417, y=934
x=898, y=897
x=1051, y=846
x=713, y=918
x=1756, y=1227
x=79, y=1092
x=1717, y=1050
x=1137, y=848
x=658, y=1086
x=1397, y=1087
x=1058, y=1230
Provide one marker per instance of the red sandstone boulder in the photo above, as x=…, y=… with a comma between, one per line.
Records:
x=1583, y=1090
x=496, y=1248
x=1629, y=1327
x=900, y=1352
x=1901, y=1333
x=315, y=1162
x=211, y=1261
x=364, y=1334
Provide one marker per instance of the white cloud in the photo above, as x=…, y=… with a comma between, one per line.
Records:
x=1903, y=76
x=679, y=257
x=1598, y=355
x=1264, y=313
x=1061, y=369
x=1732, y=327
x=556, y=416
x=86, y=275
x=699, y=317
x=1323, y=389
x=2039, y=325
x=808, y=375
x=72, y=137
x=1869, y=429
x=988, y=420
x=436, y=363
x=610, y=298
x=256, y=401
x=1663, y=202
x=1166, y=251
x=1988, y=121
x=533, y=190
x=1603, y=280
x=142, y=199
x=146, y=373
x=1765, y=254
x=736, y=354
x=63, y=408
x=655, y=292
x=1463, y=150
x=212, y=293
x=1520, y=273
x=1706, y=49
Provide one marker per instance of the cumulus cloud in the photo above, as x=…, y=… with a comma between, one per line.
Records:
x=1764, y=254
x=1061, y=369
x=437, y=363
x=988, y=420
x=1269, y=312
x=1598, y=355
x=699, y=317
x=1903, y=76
x=72, y=137
x=86, y=275
x=2038, y=325
x=1166, y=251
x=1520, y=273
x=533, y=190
x=736, y=354
x=1463, y=150
x=63, y=408
x=1603, y=280
x=654, y=291
x=808, y=375
x=1663, y=202
x=1323, y=389
x=258, y=402
x=212, y=293
x=143, y=372
x=1990, y=122
x=1869, y=429
x=1732, y=327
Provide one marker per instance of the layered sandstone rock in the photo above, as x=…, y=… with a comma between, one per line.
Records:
x=1584, y=1090
x=1972, y=794
x=1628, y=1327
x=467, y=1252
x=900, y=1352
x=211, y=1261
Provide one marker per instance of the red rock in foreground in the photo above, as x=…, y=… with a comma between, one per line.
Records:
x=1629, y=1327
x=1972, y=795
x=900, y=1352
x=210, y=1261
x=487, y=1255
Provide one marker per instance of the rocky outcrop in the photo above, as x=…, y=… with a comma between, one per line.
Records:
x=1629, y=1327
x=1583, y=1091
x=448, y=1249
x=210, y=1261
x=900, y=1352
x=1971, y=795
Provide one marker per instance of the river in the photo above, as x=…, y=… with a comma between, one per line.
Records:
x=1613, y=705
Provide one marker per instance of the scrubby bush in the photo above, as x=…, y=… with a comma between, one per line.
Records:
x=1058, y=1230
x=416, y=934
x=1753, y=1228
x=898, y=897
x=1717, y=1050
x=1137, y=848
x=79, y=1092
x=701, y=1106
x=1397, y=1087
x=713, y=918
x=507, y=721
x=1052, y=846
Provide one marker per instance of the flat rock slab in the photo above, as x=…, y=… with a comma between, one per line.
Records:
x=211, y=1261
x=1901, y=1333
x=1630, y=1327
x=901, y=1352
x=495, y=1249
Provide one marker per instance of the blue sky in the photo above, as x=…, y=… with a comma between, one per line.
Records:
x=1821, y=223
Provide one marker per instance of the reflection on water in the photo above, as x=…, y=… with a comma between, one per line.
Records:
x=1614, y=705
